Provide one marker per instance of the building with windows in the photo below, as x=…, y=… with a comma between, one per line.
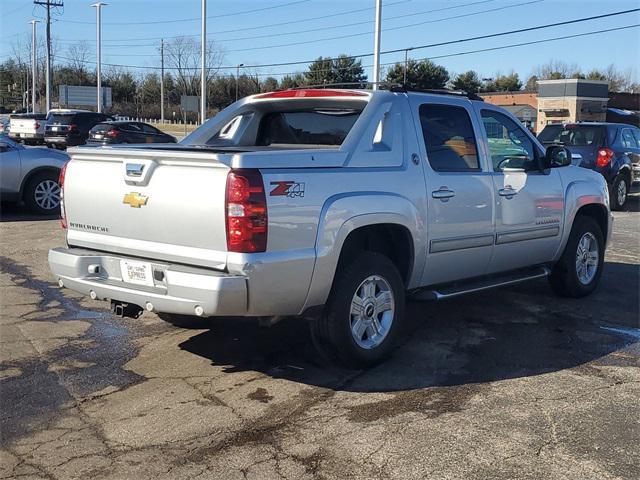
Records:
x=568, y=100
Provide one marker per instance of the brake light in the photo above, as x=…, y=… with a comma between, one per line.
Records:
x=604, y=157
x=73, y=127
x=312, y=93
x=37, y=125
x=246, y=212
x=113, y=133
x=63, y=213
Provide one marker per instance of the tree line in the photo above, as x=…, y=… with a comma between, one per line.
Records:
x=139, y=94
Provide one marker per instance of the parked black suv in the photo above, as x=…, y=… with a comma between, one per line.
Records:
x=68, y=128
x=108, y=133
x=613, y=149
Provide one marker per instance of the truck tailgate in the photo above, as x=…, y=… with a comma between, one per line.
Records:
x=23, y=126
x=163, y=205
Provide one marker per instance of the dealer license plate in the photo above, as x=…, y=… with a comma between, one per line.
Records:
x=139, y=273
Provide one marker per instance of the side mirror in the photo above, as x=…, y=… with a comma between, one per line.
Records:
x=557, y=156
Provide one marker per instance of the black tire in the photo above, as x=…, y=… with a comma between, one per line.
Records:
x=621, y=183
x=185, y=321
x=32, y=194
x=332, y=330
x=564, y=278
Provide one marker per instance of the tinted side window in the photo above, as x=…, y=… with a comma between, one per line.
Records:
x=449, y=138
x=510, y=147
x=148, y=129
x=636, y=133
x=628, y=141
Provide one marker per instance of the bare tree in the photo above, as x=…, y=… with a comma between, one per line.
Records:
x=183, y=56
x=556, y=70
x=78, y=56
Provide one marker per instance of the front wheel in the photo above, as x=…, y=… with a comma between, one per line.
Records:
x=619, y=192
x=578, y=272
x=365, y=311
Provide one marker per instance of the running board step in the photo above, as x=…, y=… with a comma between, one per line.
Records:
x=462, y=288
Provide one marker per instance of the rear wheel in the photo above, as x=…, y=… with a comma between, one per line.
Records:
x=578, y=272
x=364, y=313
x=42, y=193
x=619, y=192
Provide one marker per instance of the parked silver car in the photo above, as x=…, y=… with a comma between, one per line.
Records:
x=30, y=175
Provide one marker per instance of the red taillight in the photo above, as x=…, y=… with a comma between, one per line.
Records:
x=37, y=125
x=113, y=133
x=63, y=213
x=246, y=212
x=312, y=93
x=604, y=157
x=73, y=127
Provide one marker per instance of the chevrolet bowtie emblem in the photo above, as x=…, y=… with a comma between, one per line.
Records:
x=135, y=199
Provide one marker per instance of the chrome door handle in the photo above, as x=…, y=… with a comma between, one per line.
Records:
x=507, y=192
x=443, y=194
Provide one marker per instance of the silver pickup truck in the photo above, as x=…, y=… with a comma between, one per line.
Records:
x=330, y=205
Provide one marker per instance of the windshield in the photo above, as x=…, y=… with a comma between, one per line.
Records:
x=574, y=135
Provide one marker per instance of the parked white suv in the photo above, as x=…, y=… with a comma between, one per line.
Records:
x=331, y=204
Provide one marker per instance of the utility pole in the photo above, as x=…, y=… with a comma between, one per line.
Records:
x=34, y=65
x=203, y=66
x=238, y=78
x=98, y=6
x=162, y=80
x=376, y=46
x=48, y=4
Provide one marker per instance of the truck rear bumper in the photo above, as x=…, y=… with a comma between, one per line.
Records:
x=177, y=288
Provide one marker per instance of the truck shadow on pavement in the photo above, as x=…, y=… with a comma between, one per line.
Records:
x=504, y=333
x=13, y=212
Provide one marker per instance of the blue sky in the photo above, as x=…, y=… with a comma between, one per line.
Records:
x=128, y=41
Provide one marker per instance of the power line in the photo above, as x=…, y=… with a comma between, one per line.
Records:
x=397, y=50
x=156, y=22
x=352, y=24
x=370, y=32
x=298, y=21
x=365, y=22
x=468, y=52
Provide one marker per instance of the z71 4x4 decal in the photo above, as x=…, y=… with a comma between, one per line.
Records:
x=287, y=188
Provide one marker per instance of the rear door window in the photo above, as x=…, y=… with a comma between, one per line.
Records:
x=449, y=138
x=628, y=140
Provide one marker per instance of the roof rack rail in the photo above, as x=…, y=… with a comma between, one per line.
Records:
x=438, y=91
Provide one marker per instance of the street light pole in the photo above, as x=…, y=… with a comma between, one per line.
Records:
x=203, y=62
x=34, y=65
x=162, y=81
x=376, y=46
x=238, y=78
x=98, y=7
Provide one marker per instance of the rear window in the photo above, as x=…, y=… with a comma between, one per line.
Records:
x=101, y=127
x=312, y=127
x=62, y=118
x=574, y=135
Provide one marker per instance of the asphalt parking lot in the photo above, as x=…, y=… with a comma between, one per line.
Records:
x=509, y=384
